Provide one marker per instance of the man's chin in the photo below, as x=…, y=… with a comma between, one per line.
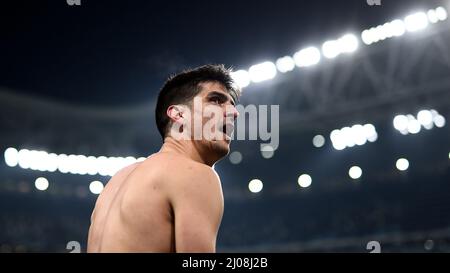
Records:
x=221, y=147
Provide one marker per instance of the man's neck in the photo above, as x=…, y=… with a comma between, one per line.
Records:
x=185, y=148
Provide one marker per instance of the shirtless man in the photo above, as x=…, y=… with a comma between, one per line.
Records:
x=172, y=201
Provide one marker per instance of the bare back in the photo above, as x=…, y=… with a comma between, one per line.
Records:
x=135, y=211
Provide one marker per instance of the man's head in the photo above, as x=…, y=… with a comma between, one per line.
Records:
x=191, y=96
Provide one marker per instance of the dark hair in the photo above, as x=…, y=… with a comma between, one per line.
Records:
x=183, y=87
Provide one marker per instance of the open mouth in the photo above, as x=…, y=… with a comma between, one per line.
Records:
x=227, y=130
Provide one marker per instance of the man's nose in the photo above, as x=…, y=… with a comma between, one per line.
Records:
x=231, y=112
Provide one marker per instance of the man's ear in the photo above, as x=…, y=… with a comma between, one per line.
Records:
x=175, y=113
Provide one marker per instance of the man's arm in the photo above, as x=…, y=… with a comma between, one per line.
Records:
x=197, y=203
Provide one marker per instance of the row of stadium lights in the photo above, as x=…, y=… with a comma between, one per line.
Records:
x=42, y=184
x=305, y=180
x=108, y=166
x=74, y=164
x=331, y=49
x=359, y=135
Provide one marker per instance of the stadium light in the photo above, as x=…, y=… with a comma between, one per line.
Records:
x=262, y=72
x=355, y=172
x=96, y=187
x=441, y=14
x=410, y=23
x=439, y=121
x=432, y=16
x=241, y=78
x=402, y=164
x=304, y=180
x=285, y=64
x=416, y=21
x=333, y=48
x=351, y=136
x=255, y=185
x=425, y=118
x=41, y=183
x=74, y=164
x=307, y=57
x=11, y=157
x=408, y=124
x=346, y=44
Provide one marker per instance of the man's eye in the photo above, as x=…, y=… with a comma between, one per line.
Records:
x=216, y=100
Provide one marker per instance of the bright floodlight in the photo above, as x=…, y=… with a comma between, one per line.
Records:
x=52, y=163
x=387, y=30
x=39, y=160
x=439, y=121
x=318, y=141
x=347, y=136
x=255, y=185
x=402, y=164
x=241, y=78
x=330, y=49
x=348, y=43
x=63, y=167
x=355, y=172
x=370, y=132
x=441, y=14
x=235, y=157
x=413, y=126
x=304, y=180
x=397, y=27
x=72, y=164
x=91, y=165
x=307, y=57
x=11, y=157
x=432, y=16
x=102, y=165
x=359, y=134
x=41, y=184
x=368, y=36
x=96, y=187
x=416, y=21
x=285, y=64
x=81, y=164
x=391, y=29
x=425, y=118
x=338, y=140
x=262, y=72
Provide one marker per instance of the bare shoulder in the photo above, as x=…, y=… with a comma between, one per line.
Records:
x=175, y=175
x=186, y=177
x=177, y=168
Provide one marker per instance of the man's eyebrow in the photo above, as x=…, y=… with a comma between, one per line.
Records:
x=222, y=96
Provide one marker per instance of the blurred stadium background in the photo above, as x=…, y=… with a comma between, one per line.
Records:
x=364, y=150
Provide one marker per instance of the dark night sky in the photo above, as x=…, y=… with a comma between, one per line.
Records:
x=119, y=52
